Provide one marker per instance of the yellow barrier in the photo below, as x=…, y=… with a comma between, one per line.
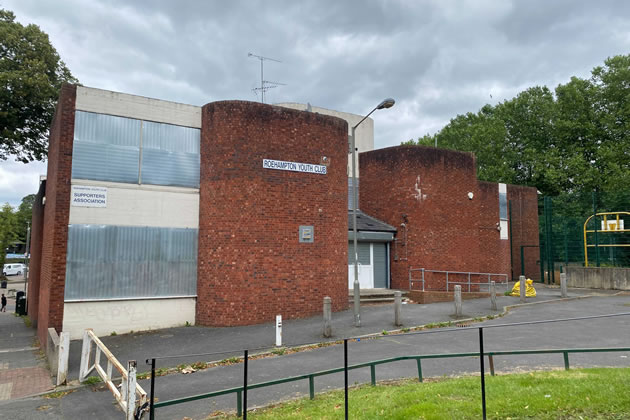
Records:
x=529, y=291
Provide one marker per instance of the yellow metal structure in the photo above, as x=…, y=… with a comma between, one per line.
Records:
x=615, y=225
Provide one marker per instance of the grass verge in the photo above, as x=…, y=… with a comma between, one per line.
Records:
x=576, y=394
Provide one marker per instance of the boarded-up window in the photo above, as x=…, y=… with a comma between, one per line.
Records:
x=110, y=148
x=111, y=262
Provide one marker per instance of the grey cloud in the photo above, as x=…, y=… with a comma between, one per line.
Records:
x=437, y=58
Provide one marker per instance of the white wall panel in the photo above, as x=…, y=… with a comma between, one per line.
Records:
x=365, y=132
x=132, y=106
x=123, y=316
x=141, y=205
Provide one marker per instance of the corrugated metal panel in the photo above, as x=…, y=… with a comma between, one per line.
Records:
x=380, y=265
x=170, y=138
x=104, y=162
x=364, y=253
x=170, y=155
x=109, y=262
x=106, y=148
x=106, y=129
x=161, y=167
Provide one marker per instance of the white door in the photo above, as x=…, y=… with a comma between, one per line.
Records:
x=366, y=268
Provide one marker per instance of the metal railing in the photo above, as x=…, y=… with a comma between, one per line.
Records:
x=241, y=391
x=449, y=282
x=126, y=396
x=372, y=365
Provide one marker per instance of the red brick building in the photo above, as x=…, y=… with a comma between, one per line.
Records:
x=156, y=214
x=447, y=220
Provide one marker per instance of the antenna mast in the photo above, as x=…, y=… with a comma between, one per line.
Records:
x=265, y=85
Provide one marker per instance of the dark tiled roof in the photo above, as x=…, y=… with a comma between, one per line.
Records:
x=369, y=223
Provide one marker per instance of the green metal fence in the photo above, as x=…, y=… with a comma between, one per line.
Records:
x=241, y=391
x=238, y=391
x=561, y=225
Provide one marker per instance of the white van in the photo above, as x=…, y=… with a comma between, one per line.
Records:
x=13, y=269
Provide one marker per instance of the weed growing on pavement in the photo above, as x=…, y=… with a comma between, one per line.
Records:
x=58, y=394
x=92, y=380
x=199, y=365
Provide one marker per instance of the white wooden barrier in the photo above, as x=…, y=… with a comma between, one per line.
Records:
x=130, y=394
x=57, y=353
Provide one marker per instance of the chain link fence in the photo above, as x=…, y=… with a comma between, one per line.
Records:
x=586, y=229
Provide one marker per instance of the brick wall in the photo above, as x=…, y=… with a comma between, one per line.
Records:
x=37, y=224
x=495, y=251
x=251, y=265
x=525, y=229
x=56, y=215
x=427, y=189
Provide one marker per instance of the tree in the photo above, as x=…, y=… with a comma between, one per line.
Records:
x=23, y=216
x=567, y=142
x=31, y=75
x=7, y=230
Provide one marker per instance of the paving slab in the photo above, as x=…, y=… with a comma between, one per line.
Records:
x=23, y=369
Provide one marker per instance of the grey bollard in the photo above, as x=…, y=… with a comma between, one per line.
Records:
x=563, y=284
x=397, y=308
x=493, y=296
x=523, y=286
x=458, y=300
x=327, y=316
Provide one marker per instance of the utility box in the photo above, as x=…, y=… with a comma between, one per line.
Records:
x=20, y=303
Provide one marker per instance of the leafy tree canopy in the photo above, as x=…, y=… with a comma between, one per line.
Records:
x=14, y=224
x=574, y=139
x=31, y=75
x=8, y=228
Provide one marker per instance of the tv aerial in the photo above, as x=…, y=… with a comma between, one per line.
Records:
x=265, y=85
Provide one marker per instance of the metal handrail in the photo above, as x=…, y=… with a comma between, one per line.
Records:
x=448, y=282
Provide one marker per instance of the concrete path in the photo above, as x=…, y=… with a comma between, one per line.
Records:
x=94, y=402
x=23, y=371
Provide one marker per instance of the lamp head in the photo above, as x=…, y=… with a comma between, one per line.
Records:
x=387, y=103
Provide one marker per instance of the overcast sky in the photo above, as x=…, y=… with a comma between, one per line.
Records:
x=436, y=58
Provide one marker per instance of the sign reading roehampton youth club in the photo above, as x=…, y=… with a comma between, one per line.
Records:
x=294, y=166
x=85, y=196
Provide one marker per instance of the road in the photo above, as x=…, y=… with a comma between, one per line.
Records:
x=609, y=332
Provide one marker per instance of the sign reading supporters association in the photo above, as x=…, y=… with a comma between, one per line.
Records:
x=86, y=196
x=294, y=166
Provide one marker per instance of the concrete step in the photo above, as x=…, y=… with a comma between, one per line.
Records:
x=376, y=295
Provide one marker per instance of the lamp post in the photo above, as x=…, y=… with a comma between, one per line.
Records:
x=387, y=103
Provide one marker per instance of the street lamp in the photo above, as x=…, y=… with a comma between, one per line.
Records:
x=387, y=103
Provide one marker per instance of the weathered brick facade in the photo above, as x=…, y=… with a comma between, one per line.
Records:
x=525, y=230
x=251, y=265
x=426, y=189
x=37, y=227
x=52, y=273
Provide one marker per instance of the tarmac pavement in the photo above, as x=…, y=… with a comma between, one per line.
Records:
x=90, y=402
x=232, y=340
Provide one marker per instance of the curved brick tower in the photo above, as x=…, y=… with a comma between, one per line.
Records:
x=251, y=263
